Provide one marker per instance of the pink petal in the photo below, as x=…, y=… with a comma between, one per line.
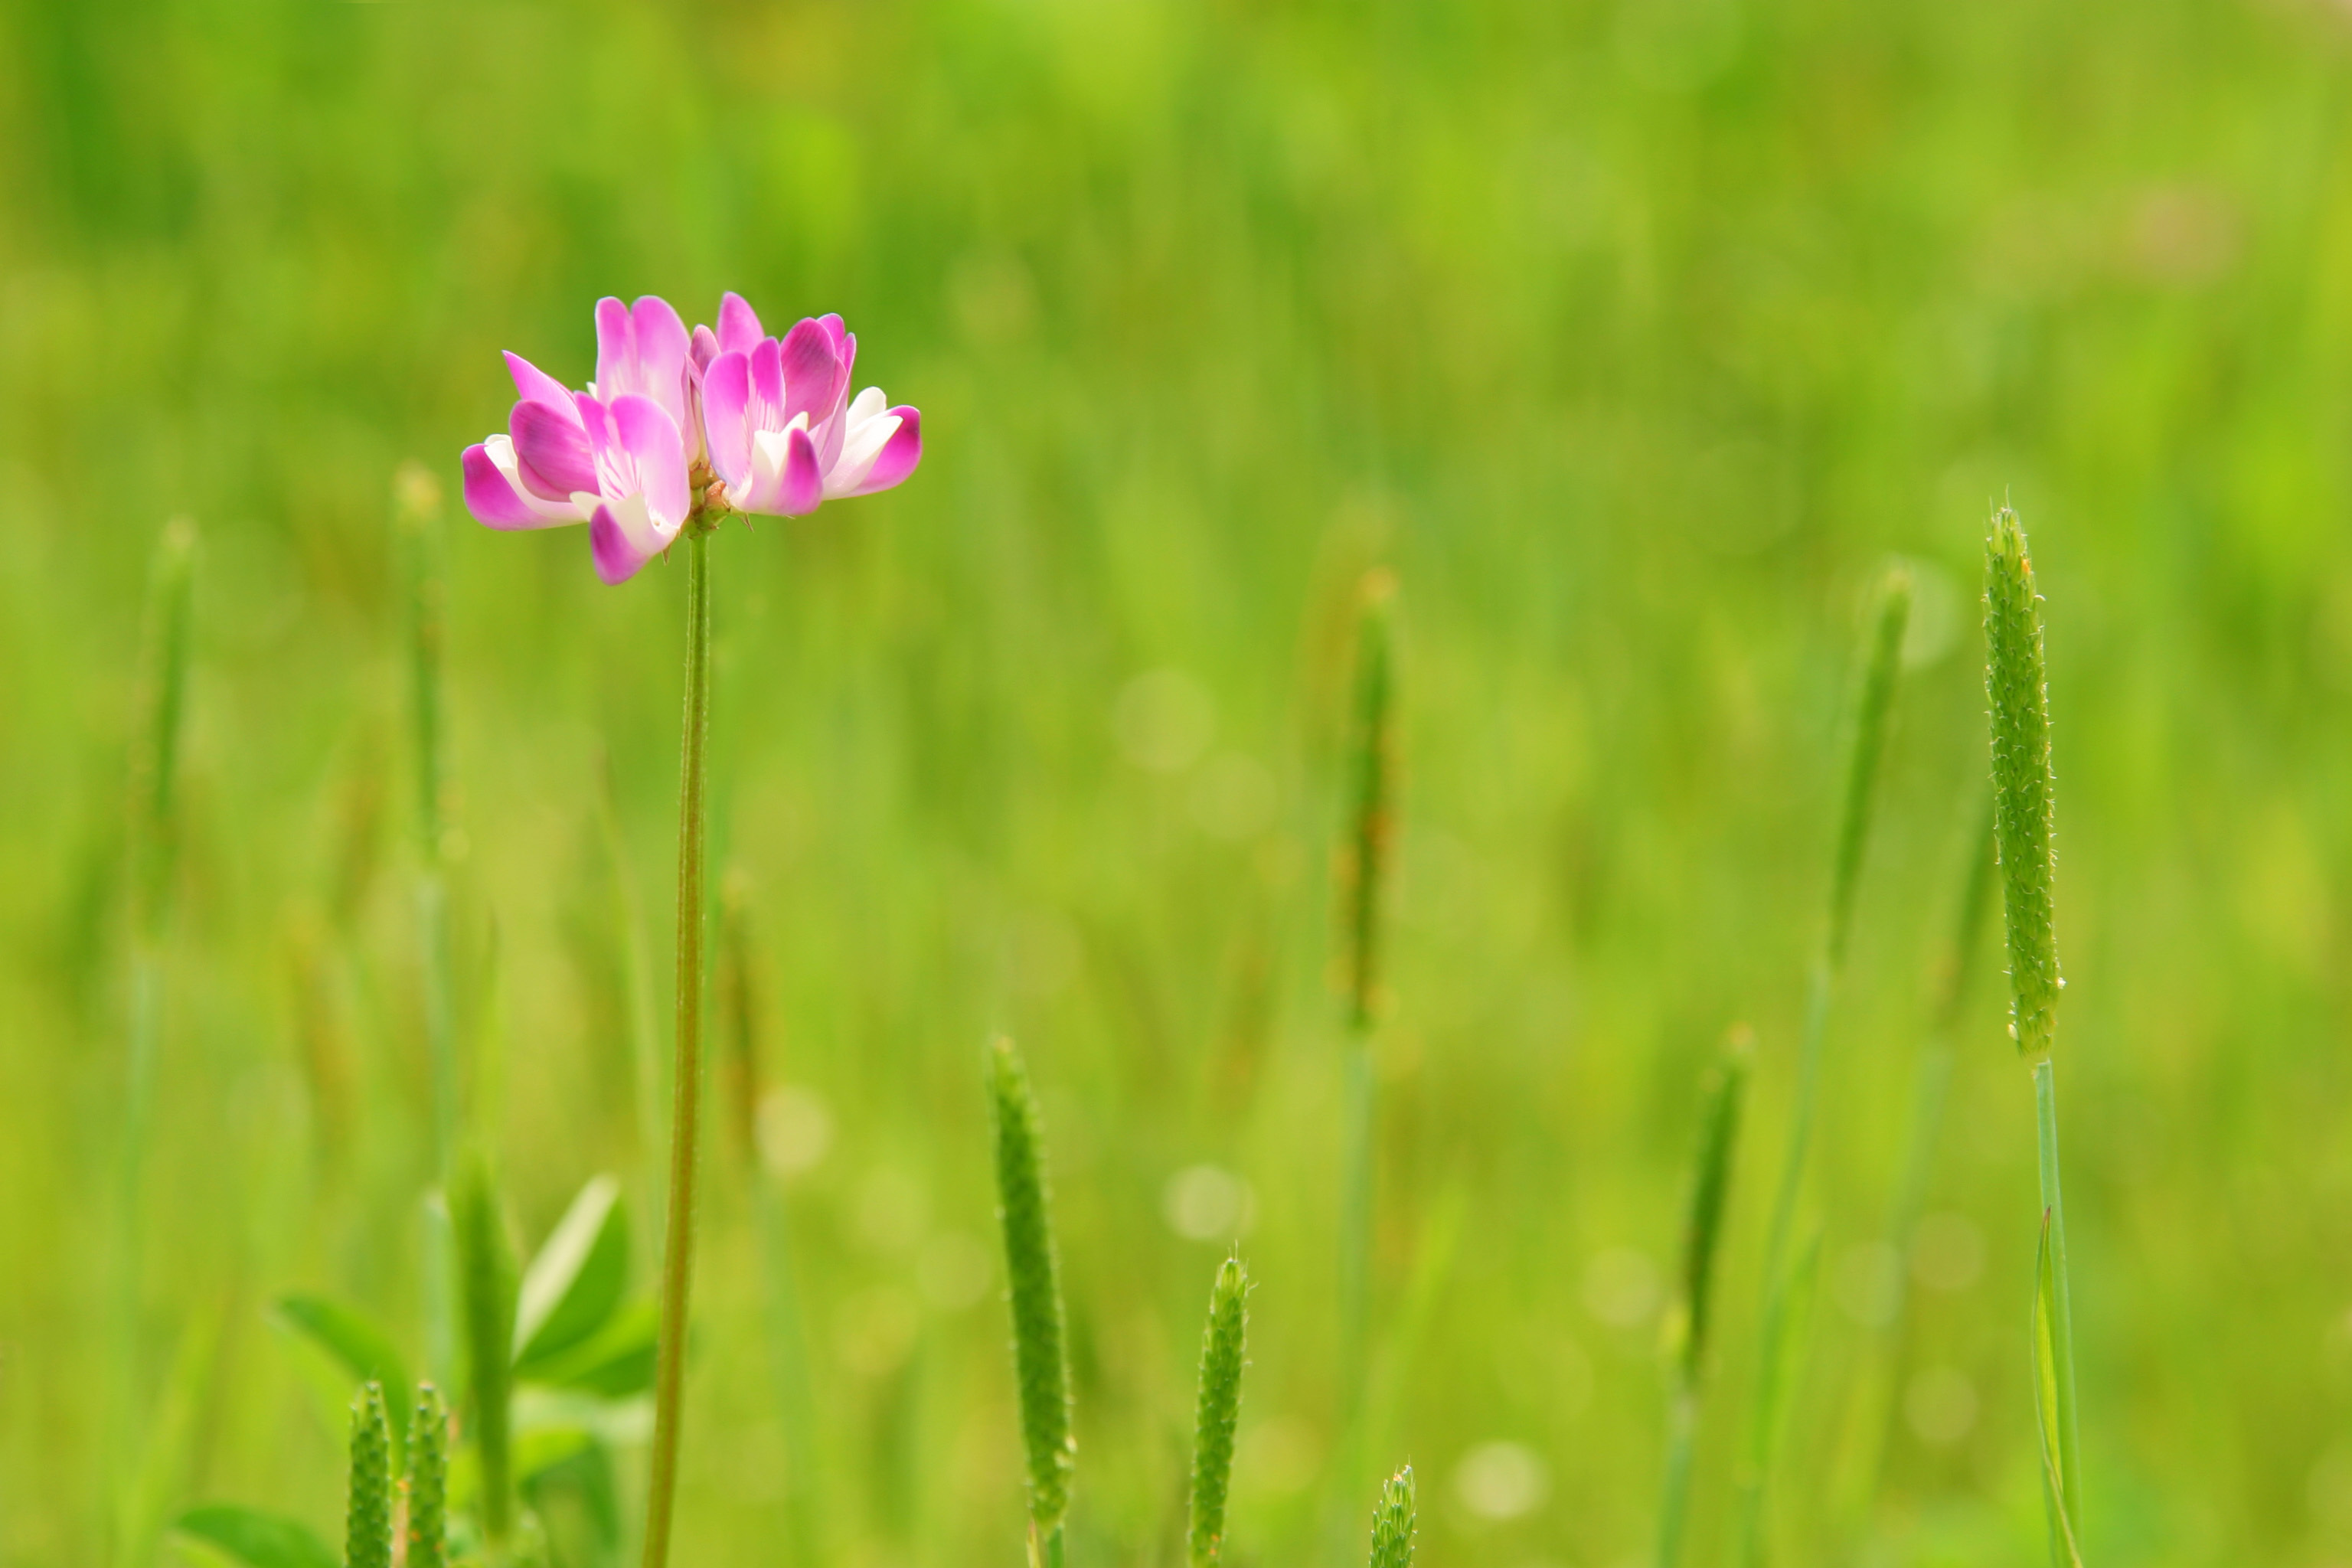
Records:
x=804, y=482
x=739, y=324
x=492, y=495
x=767, y=412
x=533, y=384
x=899, y=454
x=621, y=539
x=702, y=349
x=551, y=449
x=726, y=400
x=651, y=438
x=616, y=346
x=660, y=334
x=812, y=368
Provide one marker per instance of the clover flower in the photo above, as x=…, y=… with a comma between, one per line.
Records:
x=783, y=432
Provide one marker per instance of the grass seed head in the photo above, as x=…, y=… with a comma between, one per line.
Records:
x=2017, y=689
x=368, y=1519
x=1222, y=1347
x=1040, y=1358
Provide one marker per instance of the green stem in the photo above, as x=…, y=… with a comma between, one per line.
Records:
x=2062, y=1329
x=1357, y=1111
x=1763, y=1413
x=1673, y=1507
x=678, y=1255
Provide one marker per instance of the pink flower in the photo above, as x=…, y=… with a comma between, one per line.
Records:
x=772, y=419
x=783, y=429
x=613, y=456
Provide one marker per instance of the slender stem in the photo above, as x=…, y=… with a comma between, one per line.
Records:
x=1357, y=1092
x=2062, y=1329
x=1673, y=1508
x=1763, y=1413
x=678, y=1255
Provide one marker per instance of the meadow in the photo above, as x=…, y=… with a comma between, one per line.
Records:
x=1635, y=338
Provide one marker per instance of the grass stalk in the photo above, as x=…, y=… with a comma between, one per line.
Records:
x=486, y=1290
x=788, y=1363
x=1718, y=1141
x=1032, y=1276
x=1363, y=867
x=2017, y=687
x=151, y=840
x=417, y=520
x=686, y=1099
x=1224, y=1347
x=1873, y=704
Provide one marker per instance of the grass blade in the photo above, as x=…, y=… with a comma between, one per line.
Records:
x=576, y=1282
x=358, y=1346
x=259, y=1539
x=1033, y=1275
x=486, y=1315
x=1720, y=1103
x=1223, y=1344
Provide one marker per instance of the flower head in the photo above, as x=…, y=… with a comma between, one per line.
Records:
x=783, y=431
x=771, y=417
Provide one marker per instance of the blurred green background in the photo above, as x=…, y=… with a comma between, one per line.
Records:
x=1634, y=334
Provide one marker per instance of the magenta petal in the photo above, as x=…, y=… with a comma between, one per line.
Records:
x=533, y=384
x=899, y=454
x=551, y=449
x=651, y=438
x=803, y=480
x=739, y=324
x=616, y=559
x=615, y=347
x=726, y=397
x=767, y=385
x=661, y=338
x=810, y=368
x=702, y=349
x=490, y=497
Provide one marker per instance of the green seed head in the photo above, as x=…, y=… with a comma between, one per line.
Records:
x=1392, y=1523
x=428, y=1481
x=486, y=1302
x=1873, y=702
x=1222, y=1360
x=2017, y=687
x=1364, y=860
x=1040, y=1364
x=368, y=1521
x=1720, y=1100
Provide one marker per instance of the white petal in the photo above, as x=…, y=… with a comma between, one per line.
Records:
x=859, y=451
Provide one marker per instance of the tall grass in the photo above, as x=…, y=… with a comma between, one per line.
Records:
x=1718, y=1141
x=152, y=844
x=486, y=1288
x=1780, y=1328
x=2017, y=685
x=1032, y=1280
x=1363, y=868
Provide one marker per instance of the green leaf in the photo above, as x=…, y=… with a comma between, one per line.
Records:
x=574, y=1284
x=360, y=1349
x=2063, y=1554
x=616, y=1360
x=256, y=1539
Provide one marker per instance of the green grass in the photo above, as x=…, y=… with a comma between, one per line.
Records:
x=1634, y=359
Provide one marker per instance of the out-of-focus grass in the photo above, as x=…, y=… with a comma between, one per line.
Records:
x=1632, y=335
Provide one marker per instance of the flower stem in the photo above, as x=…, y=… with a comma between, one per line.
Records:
x=2062, y=1328
x=677, y=1256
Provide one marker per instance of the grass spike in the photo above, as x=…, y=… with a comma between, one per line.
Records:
x=1392, y=1523
x=2017, y=687
x=486, y=1315
x=1223, y=1344
x=162, y=707
x=428, y=1481
x=1364, y=863
x=367, y=1537
x=1040, y=1358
